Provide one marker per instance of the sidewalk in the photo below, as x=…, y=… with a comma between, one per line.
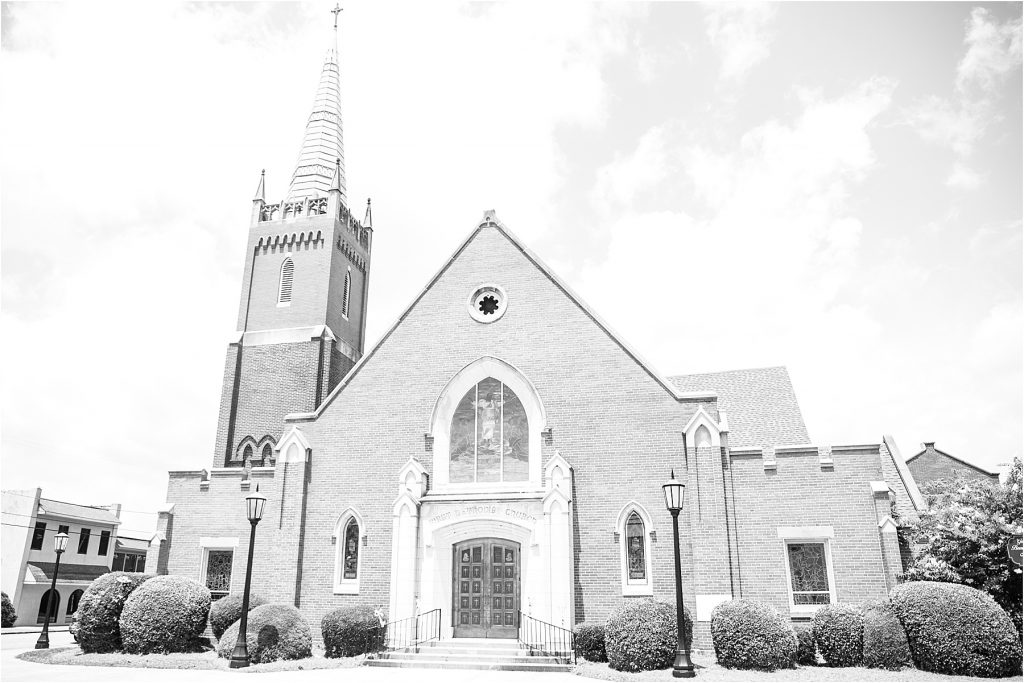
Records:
x=37, y=629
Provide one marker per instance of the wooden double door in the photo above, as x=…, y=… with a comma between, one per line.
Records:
x=485, y=588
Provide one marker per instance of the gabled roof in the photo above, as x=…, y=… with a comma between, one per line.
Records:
x=490, y=221
x=87, y=513
x=42, y=572
x=931, y=446
x=760, y=403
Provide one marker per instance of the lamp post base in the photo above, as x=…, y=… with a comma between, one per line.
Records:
x=43, y=643
x=239, y=657
x=682, y=667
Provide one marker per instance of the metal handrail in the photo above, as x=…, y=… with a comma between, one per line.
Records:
x=540, y=637
x=411, y=632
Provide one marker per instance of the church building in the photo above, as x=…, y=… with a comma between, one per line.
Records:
x=500, y=451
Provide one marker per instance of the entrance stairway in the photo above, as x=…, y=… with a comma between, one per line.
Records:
x=470, y=653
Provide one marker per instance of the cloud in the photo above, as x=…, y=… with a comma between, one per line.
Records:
x=740, y=33
x=963, y=178
x=993, y=52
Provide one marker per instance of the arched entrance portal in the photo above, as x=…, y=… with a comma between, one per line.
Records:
x=486, y=588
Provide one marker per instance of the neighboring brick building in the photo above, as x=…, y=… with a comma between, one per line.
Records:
x=500, y=449
x=931, y=464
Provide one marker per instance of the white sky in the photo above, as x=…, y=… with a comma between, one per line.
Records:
x=831, y=187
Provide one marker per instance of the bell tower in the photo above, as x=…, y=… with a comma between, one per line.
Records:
x=302, y=310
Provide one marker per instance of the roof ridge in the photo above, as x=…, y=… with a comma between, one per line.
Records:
x=722, y=372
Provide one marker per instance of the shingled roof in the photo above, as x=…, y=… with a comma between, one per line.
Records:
x=89, y=513
x=760, y=404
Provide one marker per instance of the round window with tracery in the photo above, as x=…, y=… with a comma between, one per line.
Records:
x=488, y=303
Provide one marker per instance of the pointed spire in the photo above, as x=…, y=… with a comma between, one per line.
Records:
x=261, y=193
x=323, y=142
x=368, y=218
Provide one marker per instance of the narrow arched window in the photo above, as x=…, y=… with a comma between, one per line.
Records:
x=287, y=273
x=348, y=294
x=54, y=608
x=73, y=601
x=636, y=557
x=268, y=454
x=703, y=437
x=247, y=453
x=489, y=436
x=350, y=552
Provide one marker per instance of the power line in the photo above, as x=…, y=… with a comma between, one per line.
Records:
x=95, y=507
x=148, y=532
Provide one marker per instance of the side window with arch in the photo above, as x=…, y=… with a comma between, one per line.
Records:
x=346, y=298
x=268, y=454
x=284, y=294
x=348, y=558
x=634, y=531
x=73, y=601
x=636, y=562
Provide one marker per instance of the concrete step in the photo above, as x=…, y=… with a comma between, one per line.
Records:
x=443, y=656
x=469, y=666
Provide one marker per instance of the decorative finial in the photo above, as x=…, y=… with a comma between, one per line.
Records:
x=368, y=218
x=336, y=180
x=336, y=11
x=261, y=189
x=672, y=473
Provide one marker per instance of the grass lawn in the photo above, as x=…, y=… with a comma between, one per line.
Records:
x=193, y=660
x=709, y=670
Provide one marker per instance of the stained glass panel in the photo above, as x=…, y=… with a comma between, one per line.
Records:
x=351, y=563
x=462, y=453
x=488, y=430
x=489, y=437
x=218, y=570
x=515, y=439
x=635, y=548
x=809, y=572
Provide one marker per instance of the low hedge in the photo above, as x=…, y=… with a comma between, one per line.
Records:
x=839, y=634
x=351, y=631
x=99, y=611
x=589, y=642
x=955, y=629
x=7, y=614
x=273, y=632
x=228, y=610
x=641, y=635
x=885, y=643
x=165, y=614
x=806, y=653
x=748, y=634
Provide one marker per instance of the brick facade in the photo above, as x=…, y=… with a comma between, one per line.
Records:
x=931, y=464
x=617, y=424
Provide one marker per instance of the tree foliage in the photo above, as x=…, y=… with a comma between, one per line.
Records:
x=964, y=533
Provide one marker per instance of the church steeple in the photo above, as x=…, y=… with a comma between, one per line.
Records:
x=324, y=140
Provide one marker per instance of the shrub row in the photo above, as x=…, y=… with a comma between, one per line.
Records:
x=273, y=632
x=8, y=616
x=351, y=631
x=99, y=610
x=164, y=614
x=752, y=635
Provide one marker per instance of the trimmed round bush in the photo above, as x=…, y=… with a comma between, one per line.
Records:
x=99, y=610
x=228, y=610
x=839, y=634
x=7, y=614
x=748, y=634
x=641, y=635
x=273, y=632
x=885, y=643
x=806, y=653
x=165, y=614
x=351, y=631
x=955, y=629
x=590, y=642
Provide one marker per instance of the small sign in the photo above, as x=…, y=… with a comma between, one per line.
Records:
x=1013, y=549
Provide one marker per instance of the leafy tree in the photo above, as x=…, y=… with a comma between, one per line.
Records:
x=964, y=533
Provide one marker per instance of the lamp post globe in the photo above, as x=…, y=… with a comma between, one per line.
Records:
x=674, y=489
x=254, y=504
x=60, y=544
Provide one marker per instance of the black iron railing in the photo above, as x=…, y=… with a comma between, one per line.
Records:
x=540, y=637
x=411, y=632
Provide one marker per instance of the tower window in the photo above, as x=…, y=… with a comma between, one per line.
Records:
x=287, y=273
x=348, y=294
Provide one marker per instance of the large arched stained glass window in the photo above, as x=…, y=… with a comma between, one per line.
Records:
x=489, y=436
x=636, y=564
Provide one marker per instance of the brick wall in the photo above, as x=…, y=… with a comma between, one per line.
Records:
x=931, y=465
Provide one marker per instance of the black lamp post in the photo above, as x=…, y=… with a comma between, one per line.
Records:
x=254, y=503
x=60, y=544
x=682, y=667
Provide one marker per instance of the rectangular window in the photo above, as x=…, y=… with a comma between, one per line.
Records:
x=218, y=572
x=104, y=542
x=808, y=573
x=37, y=535
x=83, y=542
x=63, y=529
x=118, y=564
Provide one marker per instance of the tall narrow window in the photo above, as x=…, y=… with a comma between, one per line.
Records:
x=104, y=543
x=118, y=563
x=37, y=535
x=636, y=561
x=63, y=529
x=83, y=541
x=489, y=437
x=350, y=568
x=44, y=602
x=247, y=453
x=348, y=294
x=268, y=454
x=218, y=572
x=287, y=273
x=73, y=601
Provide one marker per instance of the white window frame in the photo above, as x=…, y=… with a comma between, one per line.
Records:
x=634, y=587
x=208, y=543
x=823, y=535
x=343, y=586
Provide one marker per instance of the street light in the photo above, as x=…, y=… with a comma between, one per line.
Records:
x=60, y=544
x=682, y=667
x=254, y=503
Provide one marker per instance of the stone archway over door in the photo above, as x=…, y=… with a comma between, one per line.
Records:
x=486, y=588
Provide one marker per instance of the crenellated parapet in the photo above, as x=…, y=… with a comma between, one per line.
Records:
x=290, y=240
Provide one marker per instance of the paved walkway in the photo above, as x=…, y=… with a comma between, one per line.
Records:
x=15, y=669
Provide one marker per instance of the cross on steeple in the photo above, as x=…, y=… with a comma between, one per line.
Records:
x=336, y=11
